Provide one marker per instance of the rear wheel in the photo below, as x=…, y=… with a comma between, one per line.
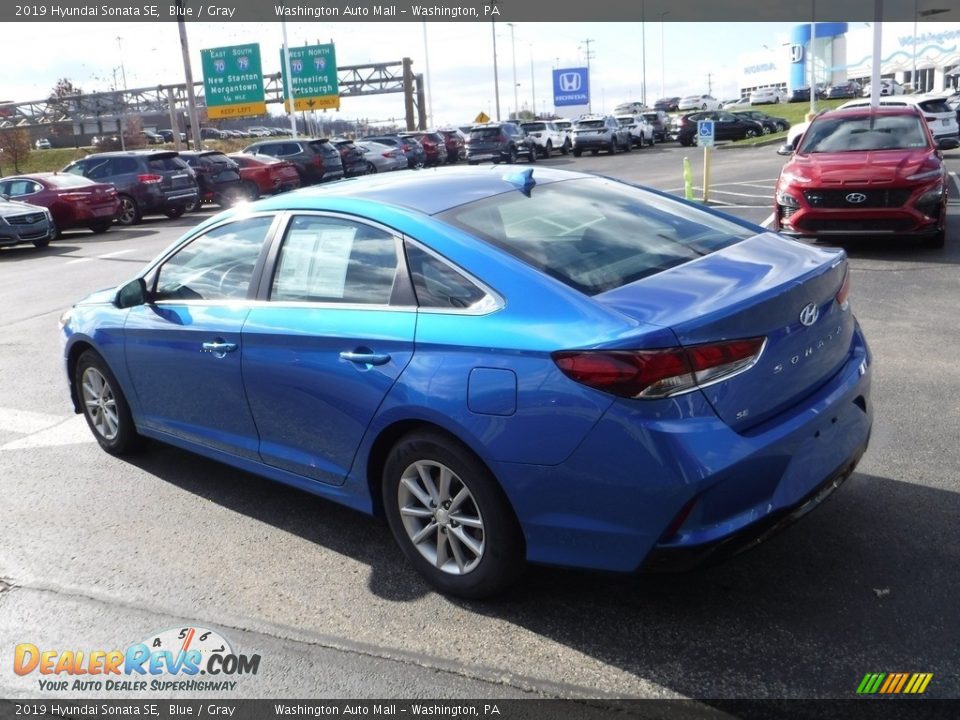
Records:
x=194, y=205
x=613, y=147
x=101, y=226
x=566, y=147
x=548, y=150
x=750, y=133
x=371, y=168
x=129, y=211
x=450, y=517
x=512, y=155
x=174, y=211
x=250, y=191
x=578, y=153
x=104, y=406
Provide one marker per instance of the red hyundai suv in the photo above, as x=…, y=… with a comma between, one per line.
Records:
x=864, y=172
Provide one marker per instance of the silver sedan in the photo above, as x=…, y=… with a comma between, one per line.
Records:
x=380, y=157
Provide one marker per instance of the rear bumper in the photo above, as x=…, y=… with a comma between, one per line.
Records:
x=614, y=502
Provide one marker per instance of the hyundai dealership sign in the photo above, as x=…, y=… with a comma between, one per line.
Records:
x=571, y=86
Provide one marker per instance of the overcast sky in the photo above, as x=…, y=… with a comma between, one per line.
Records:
x=461, y=58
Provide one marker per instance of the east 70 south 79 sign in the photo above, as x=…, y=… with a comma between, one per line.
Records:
x=233, y=81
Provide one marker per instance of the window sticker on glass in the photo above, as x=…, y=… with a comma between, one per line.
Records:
x=314, y=263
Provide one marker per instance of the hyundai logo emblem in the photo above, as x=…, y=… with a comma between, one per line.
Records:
x=809, y=314
x=570, y=82
x=856, y=198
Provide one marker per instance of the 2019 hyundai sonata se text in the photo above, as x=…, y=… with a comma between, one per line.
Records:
x=509, y=366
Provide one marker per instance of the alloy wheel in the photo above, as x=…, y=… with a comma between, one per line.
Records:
x=99, y=403
x=441, y=517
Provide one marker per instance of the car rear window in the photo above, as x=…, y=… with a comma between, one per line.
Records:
x=62, y=181
x=484, y=133
x=533, y=127
x=166, y=164
x=935, y=106
x=591, y=124
x=651, y=116
x=595, y=234
x=325, y=148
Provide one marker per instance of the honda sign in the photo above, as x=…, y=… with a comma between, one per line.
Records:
x=571, y=86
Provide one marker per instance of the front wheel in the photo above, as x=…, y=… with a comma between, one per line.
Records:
x=101, y=226
x=548, y=150
x=566, y=147
x=751, y=133
x=613, y=147
x=174, y=211
x=512, y=156
x=577, y=153
x=104, y=405
x=450, y=517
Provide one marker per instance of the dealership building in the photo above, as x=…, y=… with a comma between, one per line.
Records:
x=925, y=55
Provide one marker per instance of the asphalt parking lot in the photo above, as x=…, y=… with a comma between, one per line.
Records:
x=97, y=552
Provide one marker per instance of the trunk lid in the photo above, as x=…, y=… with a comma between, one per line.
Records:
x=758, y=287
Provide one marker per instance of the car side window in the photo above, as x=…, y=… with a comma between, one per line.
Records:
x=97, y=169
x=123, y=166
x=19, y=188
x=217, y=265
x=439, y=285
x=335, y=260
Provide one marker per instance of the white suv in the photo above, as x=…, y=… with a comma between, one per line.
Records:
x=940, y=117
x=641, y=131
x=547, y=136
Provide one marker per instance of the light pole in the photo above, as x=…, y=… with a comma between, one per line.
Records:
x=513, y=54
x=663, y=62
x=123, y=74
x=589, y=55
x=533, y=85
x=123, y=71
x=813, y=57
x=643, y=51
x=496, y=74
x=426, y=59
x=188, y=76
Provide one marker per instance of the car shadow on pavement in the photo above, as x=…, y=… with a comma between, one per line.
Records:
x=866, y=583
x=900, y=250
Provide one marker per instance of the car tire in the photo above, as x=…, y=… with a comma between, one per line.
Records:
x=129, y=211
x=628, y=147
x=475, y=548
x=749, y=133
x=194, y=205
x=532, y=155
x=781, y=127
x=175, y=211
x=104, y=406
x=766, y=130
x=566, y=147
x=251, y=191
x=577, y=153
x=371, y=168
x=471, y=162
x=100, y=226
x=512, y=155
x=614, y=148
x=44, y=242
x=548, y=150
x=594, y=152
x=703, y=107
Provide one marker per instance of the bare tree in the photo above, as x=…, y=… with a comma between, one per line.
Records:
x=15, y=146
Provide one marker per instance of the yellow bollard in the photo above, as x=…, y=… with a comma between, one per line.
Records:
x=687, y=179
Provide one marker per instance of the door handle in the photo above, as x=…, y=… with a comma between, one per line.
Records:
x=366, y=358
x=219, y=347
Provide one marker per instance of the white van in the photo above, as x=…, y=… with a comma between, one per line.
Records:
x=940, y=117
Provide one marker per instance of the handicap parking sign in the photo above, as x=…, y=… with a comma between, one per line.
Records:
x=705, y=133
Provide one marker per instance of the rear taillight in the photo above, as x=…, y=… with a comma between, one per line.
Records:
x=318, y=161
x=844, y=292
x=73, y=196
x=653, y=374
x=150, y=179
x=405, y=147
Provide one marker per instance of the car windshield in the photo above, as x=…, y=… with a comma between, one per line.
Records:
x=595, y=234
x=590, y=124
x=873, y=132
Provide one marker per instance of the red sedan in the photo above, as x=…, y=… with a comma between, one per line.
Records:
x=866, y=172
x=73, y=200
x=265, y=175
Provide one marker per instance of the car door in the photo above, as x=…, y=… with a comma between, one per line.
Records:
x=184, y=348
x=322, y=352
x=727, y=126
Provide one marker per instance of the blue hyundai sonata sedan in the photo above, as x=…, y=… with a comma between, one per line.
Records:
x=509, y=366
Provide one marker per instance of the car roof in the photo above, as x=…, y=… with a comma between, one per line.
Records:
x=866, y=109
x=427, y=191
x=134, y=153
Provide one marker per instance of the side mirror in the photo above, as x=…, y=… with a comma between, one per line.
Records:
x=948, y=143
x=132, y=294
x=4, y=196
x=785, y=149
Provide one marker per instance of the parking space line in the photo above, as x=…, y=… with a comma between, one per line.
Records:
x=953, y=198
x=105, y=256
x=766, y=223
x=739, y=194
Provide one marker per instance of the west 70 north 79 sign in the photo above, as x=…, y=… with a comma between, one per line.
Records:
x=314, y=70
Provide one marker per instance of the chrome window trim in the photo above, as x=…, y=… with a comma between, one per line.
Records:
x=493, y=301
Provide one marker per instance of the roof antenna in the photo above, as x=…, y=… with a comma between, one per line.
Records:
x=522, y=180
